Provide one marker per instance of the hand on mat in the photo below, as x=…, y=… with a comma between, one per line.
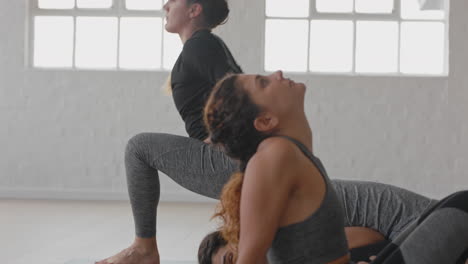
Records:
x=363, y=262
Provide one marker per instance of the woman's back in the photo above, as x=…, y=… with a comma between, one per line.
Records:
x=203, y=61
x=320, y=238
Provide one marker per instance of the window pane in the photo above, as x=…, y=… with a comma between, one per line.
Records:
x=94, y=3
x=143, y=4
x=286, y=45
x=432, y=4
x=331, y=46
x=374, y=6
x=56, y=4
x=140, y=42
x=376, y=46
x=335, y=6
x=53, y=41
x=410, y=9
x=422, y=47
x=96, y=42
x=290, y=8
x=172, y=49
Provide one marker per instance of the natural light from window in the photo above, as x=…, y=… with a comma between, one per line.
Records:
x=355, y=37
x=332, y=48
x=96, y=34
x=93, y=3
x=140, y=46
x=53, y=43
x=143, y=4
x=383, y=37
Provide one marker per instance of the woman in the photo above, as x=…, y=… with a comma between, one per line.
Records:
x=281, y=203
x=374, y=215
x=203, y=60
x=281, y=206
x=195, y=165
x=438, y=236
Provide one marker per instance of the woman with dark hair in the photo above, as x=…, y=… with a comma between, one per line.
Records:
x=281, y=202
x=374, y=215
x=212, y=249
x=281, y=207
x=204, y=60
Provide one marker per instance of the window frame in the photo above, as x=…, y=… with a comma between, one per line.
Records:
x=117, y=10
x=354, y=16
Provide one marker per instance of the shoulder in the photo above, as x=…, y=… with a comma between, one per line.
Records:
x=273, y=167
x=278, y=153
x=202, y=42
x=277, y=145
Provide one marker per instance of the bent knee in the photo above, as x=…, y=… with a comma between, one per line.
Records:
x=138, y=143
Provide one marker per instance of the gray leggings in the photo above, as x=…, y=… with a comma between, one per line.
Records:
x=439, y=236
x=194, y=165
x=204, y=169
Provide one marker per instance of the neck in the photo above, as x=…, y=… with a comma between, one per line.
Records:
x=299, y=129
x=188, y=31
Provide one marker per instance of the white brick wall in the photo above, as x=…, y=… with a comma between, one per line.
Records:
x=63, y=133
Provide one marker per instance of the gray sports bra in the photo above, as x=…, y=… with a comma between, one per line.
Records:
x=320, y=238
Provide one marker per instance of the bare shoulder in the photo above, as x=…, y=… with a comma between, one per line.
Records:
x=276, y=152
x=278, y=145
x=274, y=166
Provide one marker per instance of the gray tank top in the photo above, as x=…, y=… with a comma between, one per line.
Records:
x=320, y=238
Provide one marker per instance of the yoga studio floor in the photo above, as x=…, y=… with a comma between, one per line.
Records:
x=80, y=232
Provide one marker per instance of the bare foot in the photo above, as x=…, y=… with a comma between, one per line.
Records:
x=132, y=255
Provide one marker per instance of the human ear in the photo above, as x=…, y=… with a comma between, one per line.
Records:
x=195, y=10
x=265, y=122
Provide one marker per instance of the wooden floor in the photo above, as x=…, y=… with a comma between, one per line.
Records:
x=79, y=232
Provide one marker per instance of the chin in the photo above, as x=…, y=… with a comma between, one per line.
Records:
x=169, y=29
x=301, y=86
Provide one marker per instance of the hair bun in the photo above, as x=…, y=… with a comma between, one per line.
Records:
x=221, y=15
x=215, y=12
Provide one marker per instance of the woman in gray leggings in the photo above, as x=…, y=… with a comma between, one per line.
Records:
x=204, y=169
x=243, y=113
x=439, y=235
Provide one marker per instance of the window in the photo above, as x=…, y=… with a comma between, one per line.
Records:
x=101, y=34
x=382, y=37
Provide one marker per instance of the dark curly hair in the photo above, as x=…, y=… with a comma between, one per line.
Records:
x=215, y=12
x=209, y=246
x=229, y=118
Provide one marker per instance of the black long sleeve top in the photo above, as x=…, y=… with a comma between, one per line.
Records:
x=204, y=60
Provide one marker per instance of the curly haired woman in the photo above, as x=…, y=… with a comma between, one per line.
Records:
x=281, y=206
